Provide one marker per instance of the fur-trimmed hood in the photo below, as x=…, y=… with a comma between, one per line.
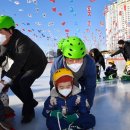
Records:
x=75, y=91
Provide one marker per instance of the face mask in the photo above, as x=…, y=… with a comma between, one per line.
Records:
x=2, y=39
x=75, y=67
x=65, y=92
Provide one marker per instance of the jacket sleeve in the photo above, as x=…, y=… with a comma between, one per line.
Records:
x=88, y=82
x=2, y=59
x=47, y=108
x=2, y=55
x=128, y=50
x=23, y=51
x=84, y=106
x=116, y=53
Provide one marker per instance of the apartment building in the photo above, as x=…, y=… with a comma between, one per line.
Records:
x=117, y=19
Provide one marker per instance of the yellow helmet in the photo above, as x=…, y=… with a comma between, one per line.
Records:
x=60, y=73
x=111, y=61
x=128, y=63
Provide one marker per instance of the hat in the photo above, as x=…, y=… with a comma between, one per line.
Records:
x=111, y=61
x=121, y=42
x=63, y=79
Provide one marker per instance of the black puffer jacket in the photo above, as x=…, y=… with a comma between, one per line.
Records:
x=125, y=51
x=25, y=53
x=98, y=57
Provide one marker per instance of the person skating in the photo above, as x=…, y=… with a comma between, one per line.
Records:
x=76, y=59
x=124, y=48
x=99, y=60
x=111, y=70
x=66, y=108
x=29, y=62
x=127, y=68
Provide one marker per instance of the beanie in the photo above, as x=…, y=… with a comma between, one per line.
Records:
x=121, y=42
x=63, y=79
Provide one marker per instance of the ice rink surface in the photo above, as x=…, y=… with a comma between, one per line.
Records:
x=111, y=104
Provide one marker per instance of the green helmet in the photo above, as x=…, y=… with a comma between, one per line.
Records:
x=6, y=22
x=60, y=43
x=74, y=48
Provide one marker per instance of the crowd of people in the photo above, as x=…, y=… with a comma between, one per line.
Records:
x=73, y=78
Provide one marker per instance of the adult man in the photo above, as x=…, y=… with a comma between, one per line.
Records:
x=81, y=64
x=29, y=63
x=124, y=48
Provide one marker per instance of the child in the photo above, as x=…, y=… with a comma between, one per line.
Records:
x=127, y=68
x=111, y=71
x=66, y=108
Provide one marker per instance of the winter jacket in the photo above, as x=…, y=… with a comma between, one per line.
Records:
x=111, y=70
x=25, y=53
x=98, y=57
x=75, y=103
x=59, y=52
x=87, y=80
x=125, y=51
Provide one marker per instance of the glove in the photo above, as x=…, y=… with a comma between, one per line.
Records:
x=71, y=118
x=56, y=113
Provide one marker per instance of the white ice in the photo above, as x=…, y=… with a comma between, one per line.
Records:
x=111, y=105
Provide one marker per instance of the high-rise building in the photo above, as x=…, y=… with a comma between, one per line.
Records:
x=117, y=19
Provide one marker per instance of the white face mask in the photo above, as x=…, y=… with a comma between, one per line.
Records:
x=75, y=67
x=2, y=39
x=65, y=92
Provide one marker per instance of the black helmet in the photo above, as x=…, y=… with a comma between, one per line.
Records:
x=121, y=42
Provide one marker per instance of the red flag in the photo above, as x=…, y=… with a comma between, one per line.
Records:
x=63, y=23
x=53, y=1
x=124, y=7
x=54, y=9
x=60, y=14
x=67, y=30
x=92, y=0
x=89, y=10
x=89, y=23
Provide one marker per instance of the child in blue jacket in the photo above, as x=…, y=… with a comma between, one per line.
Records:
x=111, y=70
x=66, y=107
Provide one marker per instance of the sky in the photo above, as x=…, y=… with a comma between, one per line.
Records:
x=48, y=21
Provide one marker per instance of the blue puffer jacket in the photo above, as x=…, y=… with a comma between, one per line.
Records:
x=87, y=80
x=76, y=103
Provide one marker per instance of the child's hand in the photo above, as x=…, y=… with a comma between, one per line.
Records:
x=56, y=113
